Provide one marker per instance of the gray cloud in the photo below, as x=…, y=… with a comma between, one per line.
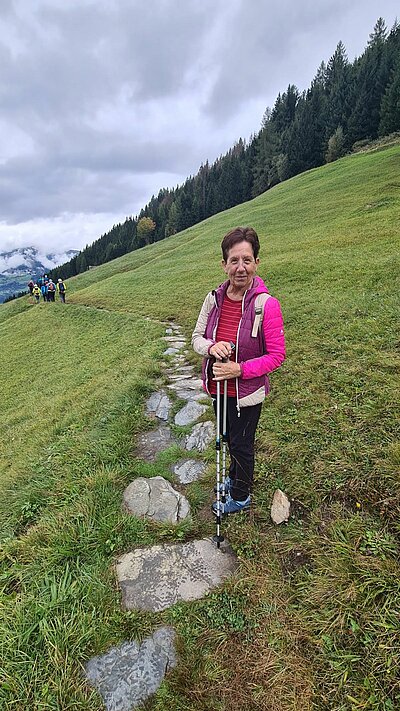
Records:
x=103, y=103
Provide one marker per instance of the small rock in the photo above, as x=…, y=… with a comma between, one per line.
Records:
x=128, y=674
x=200, y=436
x=170, y=351
x=189, y=413
x=189, y=470
x=280, y=508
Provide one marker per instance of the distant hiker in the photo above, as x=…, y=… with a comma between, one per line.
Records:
x=30, y=286
x=43, y=289
x=61, y=288
x=36, y=293
x=240, y=312
x=51, y=290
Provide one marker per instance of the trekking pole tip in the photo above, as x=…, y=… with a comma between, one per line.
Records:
x=218, y=540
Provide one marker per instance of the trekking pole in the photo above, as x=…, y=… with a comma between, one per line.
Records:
x=225, y=433
x=221, y=494
x=218, y=538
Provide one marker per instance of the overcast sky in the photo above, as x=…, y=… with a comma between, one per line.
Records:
x=104, y=102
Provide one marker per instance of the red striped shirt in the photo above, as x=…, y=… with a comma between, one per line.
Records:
x=228, y=324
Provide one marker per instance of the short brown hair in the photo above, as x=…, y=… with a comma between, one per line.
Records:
x=240, y=234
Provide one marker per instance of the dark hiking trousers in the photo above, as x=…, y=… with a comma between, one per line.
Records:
x=241, y=432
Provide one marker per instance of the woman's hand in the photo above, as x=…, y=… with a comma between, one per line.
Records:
x=221, y=350
x=226, y=371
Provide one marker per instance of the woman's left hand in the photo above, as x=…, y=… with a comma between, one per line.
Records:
x=226, y=371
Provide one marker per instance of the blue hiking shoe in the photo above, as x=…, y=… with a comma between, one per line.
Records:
x=228, y=484
x=231, y=506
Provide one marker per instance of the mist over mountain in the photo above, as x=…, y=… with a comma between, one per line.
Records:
x=20, y=265
x=30, y=261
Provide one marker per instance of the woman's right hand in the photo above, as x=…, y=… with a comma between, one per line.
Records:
x=221, y=350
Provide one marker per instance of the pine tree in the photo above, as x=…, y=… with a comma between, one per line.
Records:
x=338, y=91
x=390, y=107
x=373, y=74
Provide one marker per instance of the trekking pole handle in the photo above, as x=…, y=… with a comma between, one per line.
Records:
x=232, y=345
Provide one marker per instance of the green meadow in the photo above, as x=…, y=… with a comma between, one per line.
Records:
x=312, y=620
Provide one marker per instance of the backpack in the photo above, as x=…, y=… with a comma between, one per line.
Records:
x=61, y=287
x=259, y=312
x=50, y=287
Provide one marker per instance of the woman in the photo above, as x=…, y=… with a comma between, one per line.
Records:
x=240, y=312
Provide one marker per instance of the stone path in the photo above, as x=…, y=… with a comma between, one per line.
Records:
x=157, y=577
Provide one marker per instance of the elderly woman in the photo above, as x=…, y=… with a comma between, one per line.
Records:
x=239, y=332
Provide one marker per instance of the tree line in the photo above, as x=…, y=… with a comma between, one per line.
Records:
x=347, y=102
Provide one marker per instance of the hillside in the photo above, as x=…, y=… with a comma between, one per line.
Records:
x=311, y=622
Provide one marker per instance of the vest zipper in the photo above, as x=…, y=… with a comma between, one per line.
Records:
x=237, y=354
x=213, y=335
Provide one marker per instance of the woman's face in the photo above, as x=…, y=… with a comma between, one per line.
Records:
x=240, y=266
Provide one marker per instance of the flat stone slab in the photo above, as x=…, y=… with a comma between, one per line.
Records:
x=200, y=437
x=180, y=376
x=156, y=578
x=190, y=383
x=189, y=470
x=149, y=444
x=159, y=405
x=156, y=499
x=189, y=395
x=189, y=413
x=128, y=674
x=183, y=369
x=175, y=339
x=170, y=351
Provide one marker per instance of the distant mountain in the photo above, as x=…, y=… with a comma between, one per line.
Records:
x=20, y=265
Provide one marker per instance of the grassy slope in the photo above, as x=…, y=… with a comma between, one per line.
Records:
x=313, y=617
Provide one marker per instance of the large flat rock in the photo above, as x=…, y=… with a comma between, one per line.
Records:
x=156, y=499
x=158, y=577
x=128, y=674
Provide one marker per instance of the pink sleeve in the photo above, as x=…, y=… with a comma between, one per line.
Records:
x=274, y=341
